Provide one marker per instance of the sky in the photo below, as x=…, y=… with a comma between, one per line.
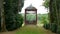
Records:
x=37, y=4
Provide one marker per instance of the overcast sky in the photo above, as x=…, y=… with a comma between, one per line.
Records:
x=36, y=3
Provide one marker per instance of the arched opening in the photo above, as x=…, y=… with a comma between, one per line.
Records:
x=42, y=12
x=30, y=15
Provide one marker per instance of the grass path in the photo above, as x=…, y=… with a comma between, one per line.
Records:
x=30, y=29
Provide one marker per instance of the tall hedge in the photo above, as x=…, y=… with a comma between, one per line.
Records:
x=54, y=6
x=55, y=15
x=13, y=20
x=14, y=23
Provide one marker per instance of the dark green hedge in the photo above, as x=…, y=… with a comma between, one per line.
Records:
x=14, y=23
x=58, y=29
x=46, y=26
x=53, y=27
x=11, y=24
x=13, y=20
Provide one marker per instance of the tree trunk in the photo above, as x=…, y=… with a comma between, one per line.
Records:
x=3, y=26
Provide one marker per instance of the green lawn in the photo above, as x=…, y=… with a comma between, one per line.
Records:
x=32, y=30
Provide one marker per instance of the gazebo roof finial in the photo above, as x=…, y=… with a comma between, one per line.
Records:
x=31, y=7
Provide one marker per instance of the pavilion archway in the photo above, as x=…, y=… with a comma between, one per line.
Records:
x=30, y=15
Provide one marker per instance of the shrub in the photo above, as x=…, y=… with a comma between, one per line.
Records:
x=53, y=27
x=46, y=26
x=58, y=31
x=19, y=20
x=14, y=24
x=13, y=20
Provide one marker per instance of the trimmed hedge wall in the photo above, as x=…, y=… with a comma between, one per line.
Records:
x=58, y=31
x=12, y=25
x=13, y=20
x=54, y=27
x=46, y=26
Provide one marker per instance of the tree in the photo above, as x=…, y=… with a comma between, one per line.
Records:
x=3, y=26
x=53, y=4
x=12, y=19
x=46, y=3
x=9, y=14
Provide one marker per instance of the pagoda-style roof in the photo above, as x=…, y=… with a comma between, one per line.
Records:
x=31, y=8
